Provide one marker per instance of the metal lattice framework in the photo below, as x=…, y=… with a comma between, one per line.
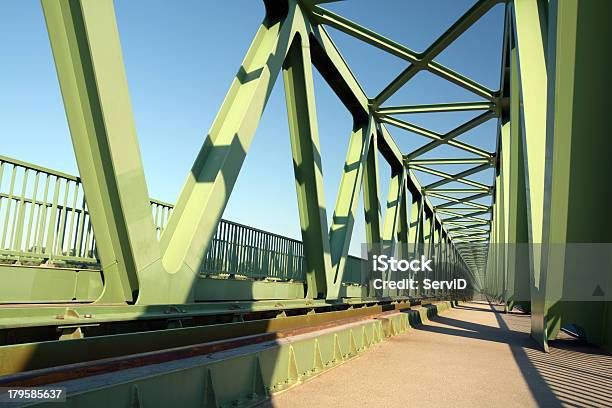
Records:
x=460, y=218
x=92, y=78
x=550, y=126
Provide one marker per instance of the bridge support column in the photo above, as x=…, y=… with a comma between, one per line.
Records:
x=578, y=223
x=530, y=37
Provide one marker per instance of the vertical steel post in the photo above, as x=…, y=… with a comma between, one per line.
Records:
x=530, y=28
x=346, y=203
x=299, y=92
x=371, y=206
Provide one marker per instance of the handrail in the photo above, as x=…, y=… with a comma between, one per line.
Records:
x=36, y=167
x=46, y=221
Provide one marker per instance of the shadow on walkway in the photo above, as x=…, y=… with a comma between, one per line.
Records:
x=571, y=374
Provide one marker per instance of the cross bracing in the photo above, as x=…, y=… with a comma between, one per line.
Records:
x=457, y=209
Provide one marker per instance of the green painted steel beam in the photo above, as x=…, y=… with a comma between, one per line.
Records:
x=437, y=107
x=471, y=216
x=243, y=376
x=87, y=52
x=530, y=28
x=415, y=232
x=212, y=177
x=346, y=203
x=578, y=153
x=462, y=217
x=518, y=266
x=469, y=233
x=459, y=191
x=371, y=207
x=457, y=210
x=459, y=177
x=448, y=137
x=429, y=162
x=471, y=239
x=389, y=147
x=447, y=178
x=305, y=147
x=411, y=127
x=433, y=135
x=425, y=60
x=454, y=201
x=392, y=210
x=324, y=16
x=395, y=221
x=332, y=66
x=466, y=224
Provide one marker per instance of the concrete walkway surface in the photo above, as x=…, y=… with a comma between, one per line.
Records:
x=470, y=356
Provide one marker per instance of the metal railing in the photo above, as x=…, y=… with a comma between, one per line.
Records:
x=44, y=219
x=245, y=251
x=354, y=271
x=43, y=216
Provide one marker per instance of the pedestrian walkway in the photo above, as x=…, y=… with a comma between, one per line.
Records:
x=470, y=356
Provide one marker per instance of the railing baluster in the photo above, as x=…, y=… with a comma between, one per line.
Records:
x=71, y=250
x=88, y=240
x=32, y=211
x=156, y=219
x=61, y=228
x=78, y=248
x=42, y=217
x=52, y=220
x=18, y=216
x=1, y=174
x=8, y=207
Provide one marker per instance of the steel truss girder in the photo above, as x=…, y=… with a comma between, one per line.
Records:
x=398, y=50
x=384, y=142
x=418, y=61
x=140, y=268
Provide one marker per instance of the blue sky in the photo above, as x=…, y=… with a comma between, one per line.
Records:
x=181, y=57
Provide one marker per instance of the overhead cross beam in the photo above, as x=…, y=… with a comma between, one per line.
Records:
x=465, y=200
x=459, y=177
x=436, y=136
x=430, y=162
x=448, y=137
x=437, y=107
x=418, y=61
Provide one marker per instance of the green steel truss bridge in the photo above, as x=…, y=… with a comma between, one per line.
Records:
x=95, y=260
